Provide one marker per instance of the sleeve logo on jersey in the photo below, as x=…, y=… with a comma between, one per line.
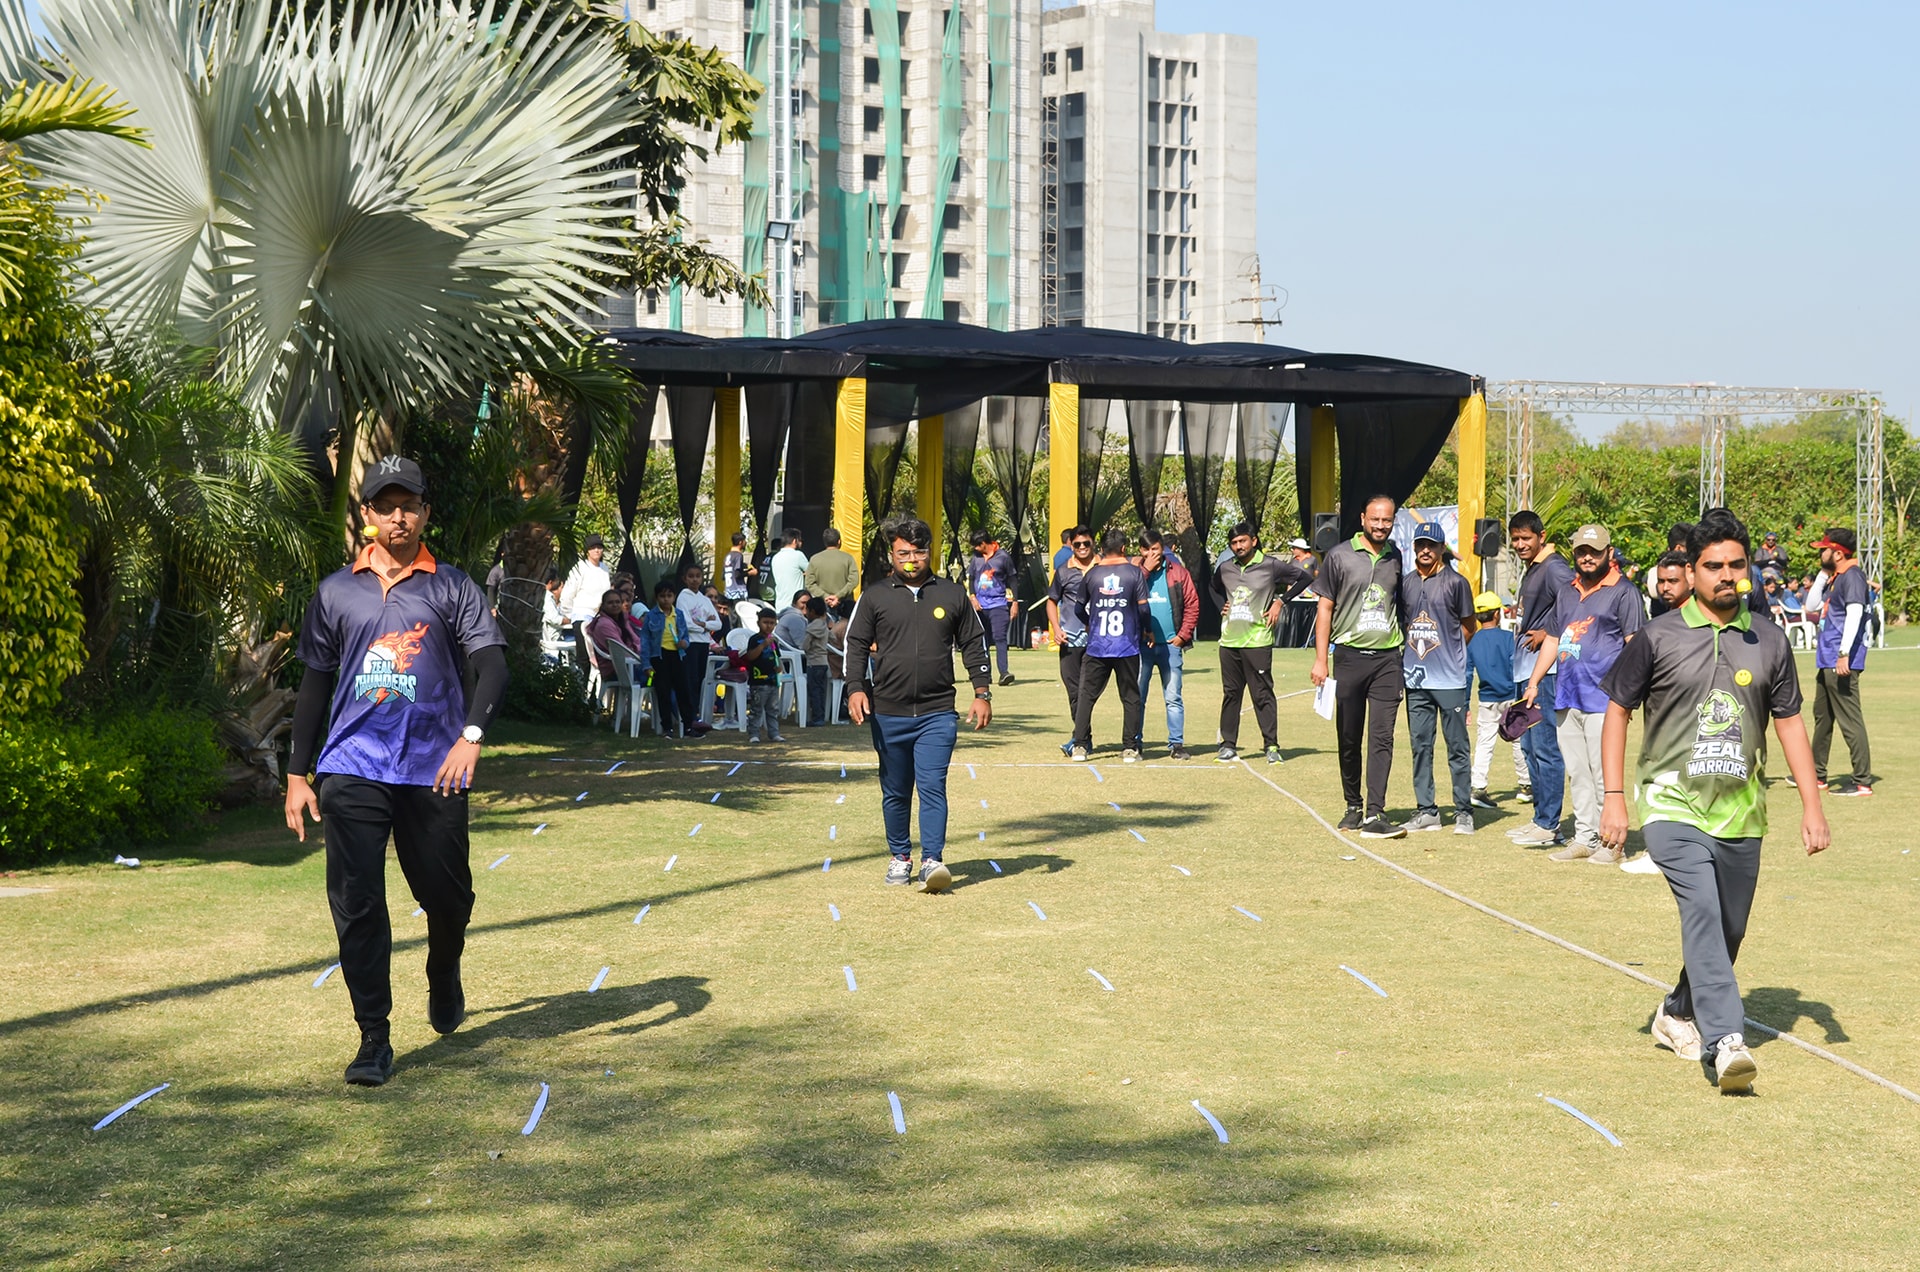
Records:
x=383, y=672
x=1570, y=639
x=1717, y=750
x=1423, y=635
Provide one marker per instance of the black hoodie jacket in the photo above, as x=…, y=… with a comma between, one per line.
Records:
x=900, y=646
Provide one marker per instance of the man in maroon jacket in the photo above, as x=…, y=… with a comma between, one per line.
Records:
x=1173, y=610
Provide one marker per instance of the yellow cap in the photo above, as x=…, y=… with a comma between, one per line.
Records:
x=1486, y=601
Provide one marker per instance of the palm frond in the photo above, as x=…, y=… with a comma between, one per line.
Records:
x=75, y=105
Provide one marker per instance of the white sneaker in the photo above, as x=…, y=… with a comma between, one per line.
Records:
x=1130, y=756
x=1078, y=753
x=1534, y=836
x=1643, y=864
x=1676, y=1033
x=1733, y=1066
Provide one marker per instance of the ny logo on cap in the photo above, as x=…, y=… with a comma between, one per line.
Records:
x=391, y=464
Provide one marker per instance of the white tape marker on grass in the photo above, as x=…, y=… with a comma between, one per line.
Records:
x=616, y=764
x=738, y=765
x=715, y=799
x=1363, y=980
x=695, y=830
x=983, y=803
x=1212, y=1121
x=539, y=1107
x=826, y=865
x=1183, y=870
x=996, y=867
x=321, y=979
x=417, y=911
x=1249, y=913
x=1115, y=807
x=971, y=773
x=670, y=861
x=1104, y=982
x=642, y=914
x=833, y=832
x=577, y=798
x=599, y=980
x=841, y=800
x=843, y=770
x=1136, y=834
x=1562, y=1105
x=496, y=865
x=852, y=985
x=834, y=910
x=899, y=1118
x=537, y=829
x=1037, y=910
x=983, y=836
x=1096, y=773
x=134, y=1103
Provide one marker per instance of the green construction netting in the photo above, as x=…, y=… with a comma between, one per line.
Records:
x=999, y=154
x=835, y=216
x=946, y=164
x=753, y=199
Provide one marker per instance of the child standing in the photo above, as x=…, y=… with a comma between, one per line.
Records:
x=1490, y=657
x=819, y=674
x=762, y=657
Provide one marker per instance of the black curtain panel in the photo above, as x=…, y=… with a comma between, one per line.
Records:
x=1093, y=439
x=963, y=441
x=885, y=445
x=1260, y=425
x=1149, y=424
x=1013, y=439
x=1205, y=428
x=633, y=468
x=808, y=503
x=1385, y=449
x=690, y=416
x=769, y=413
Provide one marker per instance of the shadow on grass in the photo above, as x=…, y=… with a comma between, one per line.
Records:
x=759, y=1146
x=1785, y=1008
x=968, y=874
x=552, y=1015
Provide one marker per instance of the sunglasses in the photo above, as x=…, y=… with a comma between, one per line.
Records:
x=1082, y=543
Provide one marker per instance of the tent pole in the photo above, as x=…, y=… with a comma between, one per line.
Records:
x=1322, y=492
x=1472, y=434
x=1063, y=463
x=726, y=473
x=850, y=466
x=931, y=469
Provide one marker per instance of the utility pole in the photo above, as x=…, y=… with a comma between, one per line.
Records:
x=1262, y=297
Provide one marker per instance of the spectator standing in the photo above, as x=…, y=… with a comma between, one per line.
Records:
x=704, y=629
x=819, y=668
x=1251, y=588
x=1770, y=558
x=1360, y=609
x=1438, y=604
x=587, y=582
x=1173, y=612
x=900, y=656
x=737, y=571
x=832, y=573
x=1540, y=587
x=1840, y=656
x=990, y=579
x=552, y=617
x=1677, y=536
x=1296, y=619
x=663, y=633
x=789, y=568
x=1706, y=679
x=762, y=657
x=1067, y=618
x=391, y=644
x=1490, y=657
x=1065, y=550
x=1116, y=629
x=1597, y=614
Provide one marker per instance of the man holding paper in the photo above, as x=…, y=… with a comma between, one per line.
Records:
x=1360, y=614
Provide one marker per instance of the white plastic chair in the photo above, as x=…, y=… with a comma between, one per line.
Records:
x=793, y=684
x=735, y=702
x=629, y=667
x=836, y=689
x=616, y=697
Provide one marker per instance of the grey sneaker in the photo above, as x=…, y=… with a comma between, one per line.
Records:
x=934, y=875
x=1733, y=1066
x=1605, y=856
x=1463, y=823
x=1130, y=756
x=1179, y=753
x=1572, y=852
x=1533, y=835
x=1353, y=818
x=1078, y=753
x=1676, y=1033
x=1273, y=755
x=1227, y=755
x=900, y=870
x=1378, y=827
x=1423, y=821
x=1524, y=795
x=1481, y=799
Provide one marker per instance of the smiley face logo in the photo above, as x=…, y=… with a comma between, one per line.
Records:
x=1743, y=677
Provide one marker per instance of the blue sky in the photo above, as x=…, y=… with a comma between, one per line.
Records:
x=1630, y=191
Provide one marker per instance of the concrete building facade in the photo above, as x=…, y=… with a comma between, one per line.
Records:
x=1148, y=153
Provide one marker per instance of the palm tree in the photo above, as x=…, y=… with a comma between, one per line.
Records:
x=360, y=211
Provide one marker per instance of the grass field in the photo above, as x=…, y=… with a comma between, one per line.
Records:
x=721, y=1101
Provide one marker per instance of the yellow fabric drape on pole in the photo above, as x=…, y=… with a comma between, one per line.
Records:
x=726, y=473
x=850, y=467
x=1472, y=436
x=1322, y=490
x=1063, y=463
x=931, y=467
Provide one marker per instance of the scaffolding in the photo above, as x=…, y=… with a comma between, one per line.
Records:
x=1718, y=408
x=783, y=208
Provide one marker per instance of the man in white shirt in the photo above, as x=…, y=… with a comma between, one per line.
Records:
x=789, y=571
x=587, y=582
x=703, y=630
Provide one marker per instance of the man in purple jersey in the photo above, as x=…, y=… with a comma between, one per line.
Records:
x=1116, y=599
x=394, y=640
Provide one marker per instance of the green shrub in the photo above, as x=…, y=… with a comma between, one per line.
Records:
x=542, y=693
x=134, y=778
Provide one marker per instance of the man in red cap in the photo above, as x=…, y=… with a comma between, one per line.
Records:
x=1840, y=655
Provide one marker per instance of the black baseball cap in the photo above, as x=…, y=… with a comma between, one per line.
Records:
x=593, y=541
x=393, y=470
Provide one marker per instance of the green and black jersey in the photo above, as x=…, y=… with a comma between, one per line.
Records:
x=1365, y=590
x=1709, y=694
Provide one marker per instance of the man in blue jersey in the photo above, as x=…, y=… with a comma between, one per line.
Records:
x=1840, y=655
x=1116, y=623
x=990, y=580
x=394, y=640
x=1439, y=622
x=1067, y=616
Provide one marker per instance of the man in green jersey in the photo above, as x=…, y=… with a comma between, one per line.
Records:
x=1708, y=678
x=1360, y=604
x=1250, y=588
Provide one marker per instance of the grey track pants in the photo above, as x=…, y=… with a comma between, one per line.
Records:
x=1712, y=881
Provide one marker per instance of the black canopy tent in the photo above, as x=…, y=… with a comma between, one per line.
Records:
x=855, y=385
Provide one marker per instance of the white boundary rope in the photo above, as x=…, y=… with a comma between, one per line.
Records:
x=1569, y=946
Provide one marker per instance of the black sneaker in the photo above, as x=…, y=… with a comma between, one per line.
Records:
x=1179, y=753
x=1355, y=815
x=1378, y=827
x=1846, y=787
x=1006, y=680
x=446, y=1001
x=1227, y=755
x=1481, y=799
x=374, y=1065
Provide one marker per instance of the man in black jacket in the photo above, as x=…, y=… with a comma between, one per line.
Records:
x=900, y=668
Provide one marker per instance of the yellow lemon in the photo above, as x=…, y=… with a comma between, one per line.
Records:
x=939, y=611
x=1743, y=677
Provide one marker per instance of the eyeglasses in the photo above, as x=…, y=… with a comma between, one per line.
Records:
x=912, y=552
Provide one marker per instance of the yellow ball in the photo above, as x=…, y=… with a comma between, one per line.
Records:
x=369, y=532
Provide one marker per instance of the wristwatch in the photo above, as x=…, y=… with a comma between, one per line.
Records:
x=472, y=733
x=983, y=695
